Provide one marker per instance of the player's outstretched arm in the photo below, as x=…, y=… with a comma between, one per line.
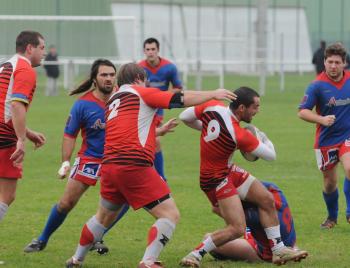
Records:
x=188, y=116
x=167, y=127
x=192, y=98
x=309, y=116
x=68, y=144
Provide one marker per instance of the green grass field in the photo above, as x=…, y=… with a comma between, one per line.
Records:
x=294, y=171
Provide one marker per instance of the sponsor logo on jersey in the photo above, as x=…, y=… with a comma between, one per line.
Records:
x=340, y=102
x=98, y=124
x=157, y=84
x=304, y=99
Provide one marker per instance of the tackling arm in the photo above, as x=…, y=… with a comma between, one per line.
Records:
x=188, y=116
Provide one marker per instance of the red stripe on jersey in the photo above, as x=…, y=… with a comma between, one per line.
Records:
x=130, y=126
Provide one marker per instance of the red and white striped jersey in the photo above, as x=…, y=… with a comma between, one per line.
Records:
x=221, y=136
x=17, y=82
x=130, y=124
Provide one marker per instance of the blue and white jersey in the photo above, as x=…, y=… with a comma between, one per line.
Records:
x=88, y=116
x=330, y=98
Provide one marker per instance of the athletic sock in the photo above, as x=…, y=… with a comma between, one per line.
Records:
x=331, y=201
x=119, y=216
x=206, y=246
x=159, y=234
x=91, y=233
x=159, y=164
x=54, y=221
x=347, y=195
x=3, y=209
x=274, y=236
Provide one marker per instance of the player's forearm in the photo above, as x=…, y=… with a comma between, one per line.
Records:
x=68, y=145
x=192, y=98
x=309, y=116
x=18, y=111
x=189, y=118
x=265, y=151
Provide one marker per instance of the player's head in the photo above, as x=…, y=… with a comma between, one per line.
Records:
x=102, y=77
x=246, y=105
x=151, y=49
x=323, y=44
x=131, y=73
x=335, y=61
x=31, y=45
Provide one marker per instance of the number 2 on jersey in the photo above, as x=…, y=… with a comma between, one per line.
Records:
x=113, y=108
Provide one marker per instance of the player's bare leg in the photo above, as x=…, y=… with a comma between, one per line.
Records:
x=230, y=209
x=238, y=249
x=260, y=196
x=7, y=194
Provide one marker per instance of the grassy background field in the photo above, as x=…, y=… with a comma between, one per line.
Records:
x=294, y=171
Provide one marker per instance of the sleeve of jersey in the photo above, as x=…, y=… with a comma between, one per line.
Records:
x=309, y=99
x=23, y=84
x=246, y=141
x=175, y=80
x=162, y=99
x=73, y=123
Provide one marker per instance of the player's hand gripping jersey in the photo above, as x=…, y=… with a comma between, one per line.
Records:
x=330, y=98
x=130, y=124
x=17, y=82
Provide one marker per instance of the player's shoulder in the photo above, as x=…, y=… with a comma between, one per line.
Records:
x=142, y=63
x=166, y=63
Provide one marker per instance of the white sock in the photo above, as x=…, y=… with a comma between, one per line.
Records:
x=3, y=209
x=274, y=235
x=206, y=246
x=92, y=229
x=159, y=234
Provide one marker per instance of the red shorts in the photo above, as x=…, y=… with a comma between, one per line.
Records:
x=238, y=181
x=86, y=170
x=7, y=169
x=328, y=157
x=137, y=186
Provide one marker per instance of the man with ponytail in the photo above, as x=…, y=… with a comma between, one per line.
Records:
x=86, y=117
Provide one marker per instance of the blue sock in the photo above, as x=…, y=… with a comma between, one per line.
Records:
x=159, y=164
x=332, y=204
x=54, y=221
x=347, y=195
x=120, y=215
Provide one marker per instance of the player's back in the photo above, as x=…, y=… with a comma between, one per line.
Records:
x=130, y=125
x=218, y=140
